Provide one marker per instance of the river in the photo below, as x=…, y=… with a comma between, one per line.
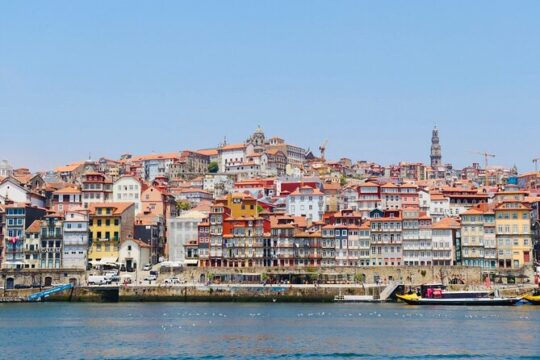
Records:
x=266, y=331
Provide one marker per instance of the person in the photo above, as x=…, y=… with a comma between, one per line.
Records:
x=429, y=292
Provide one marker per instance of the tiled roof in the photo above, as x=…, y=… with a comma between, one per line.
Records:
x=446, y=223
x=119, y=207
x=67, y=190
x=69, y=167
x=35, y=227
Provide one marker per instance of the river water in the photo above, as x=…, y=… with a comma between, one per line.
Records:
x=266, y=331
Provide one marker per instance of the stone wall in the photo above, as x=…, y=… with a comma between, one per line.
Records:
x=369, y=275
x=41, y=277
x=252, y=294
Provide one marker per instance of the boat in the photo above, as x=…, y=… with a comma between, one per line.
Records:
x=533, y=298
x=436, y=294
x=354, y=298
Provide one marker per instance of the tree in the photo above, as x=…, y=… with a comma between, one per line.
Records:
x=343, y=181
x=183, y=205
x=213, y=167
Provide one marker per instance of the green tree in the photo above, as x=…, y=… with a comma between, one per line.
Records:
x=183, y=205
x=213, y=167
x=343, y=181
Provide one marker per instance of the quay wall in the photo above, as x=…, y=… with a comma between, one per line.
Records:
x=368, y=275
x=234, y=293
x=345, y=281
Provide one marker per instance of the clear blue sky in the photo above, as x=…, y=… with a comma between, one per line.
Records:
x=108, y=77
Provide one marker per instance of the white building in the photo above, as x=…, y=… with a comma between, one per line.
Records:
x=181, y=230
x=306, y=201
x=439, y=207
x=75, y=230
x=234, y=154
x=134, y=254
x=443, y=237
x=11, y=189
x=218, y=184
x=128, y=189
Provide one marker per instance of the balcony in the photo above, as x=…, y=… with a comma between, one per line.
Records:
x=51, y=236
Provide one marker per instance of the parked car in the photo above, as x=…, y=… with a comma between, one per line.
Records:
x=98, y=280
x=172, y=281
x=113, y=278
x=151, y=278
x=147, y=267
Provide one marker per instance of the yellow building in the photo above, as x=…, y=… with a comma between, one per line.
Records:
x=110, y=224
x=240, y=204
x=513, y=233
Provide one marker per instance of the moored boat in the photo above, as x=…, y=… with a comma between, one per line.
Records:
x=414, y=299
x=533, y=298
x=436, y=294
x=354, y=298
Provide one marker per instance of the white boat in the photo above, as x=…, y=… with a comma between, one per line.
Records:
x=354, y=298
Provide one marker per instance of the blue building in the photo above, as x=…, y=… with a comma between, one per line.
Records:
x=18, y=218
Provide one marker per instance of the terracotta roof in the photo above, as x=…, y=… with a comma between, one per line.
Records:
x=312, y=191
x=23, y=179
x=366, y=225
x=68, y=190
x=369, y=183
x=69, y=168
x=446, y=223
x=473, y=212
x=331, y=186
x=119, y=207
x=233, y=147
x=141, y=243
x=171, y=155
x=208, y=152
x=35, y=227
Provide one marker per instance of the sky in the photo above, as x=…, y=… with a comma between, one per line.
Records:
x=103, y=78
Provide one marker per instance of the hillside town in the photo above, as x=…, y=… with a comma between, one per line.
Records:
x=268, y=203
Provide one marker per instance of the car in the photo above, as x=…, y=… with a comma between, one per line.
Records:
x=150, y=278
x=147, y=267
x=172, y=281
x=113, y=278
x=98, y=280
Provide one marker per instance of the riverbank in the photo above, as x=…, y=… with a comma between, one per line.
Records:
x=238, y=292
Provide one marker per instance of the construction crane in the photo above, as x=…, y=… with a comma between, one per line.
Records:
x=322, y=148
x=535, y=161
x=486, y=156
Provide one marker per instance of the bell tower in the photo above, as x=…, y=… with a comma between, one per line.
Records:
x=436, y=157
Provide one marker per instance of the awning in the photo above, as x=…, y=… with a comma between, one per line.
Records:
x=108, y=260
x=191, y=262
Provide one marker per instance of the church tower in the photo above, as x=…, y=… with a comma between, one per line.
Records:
x=436, y=157
x=258, y=140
